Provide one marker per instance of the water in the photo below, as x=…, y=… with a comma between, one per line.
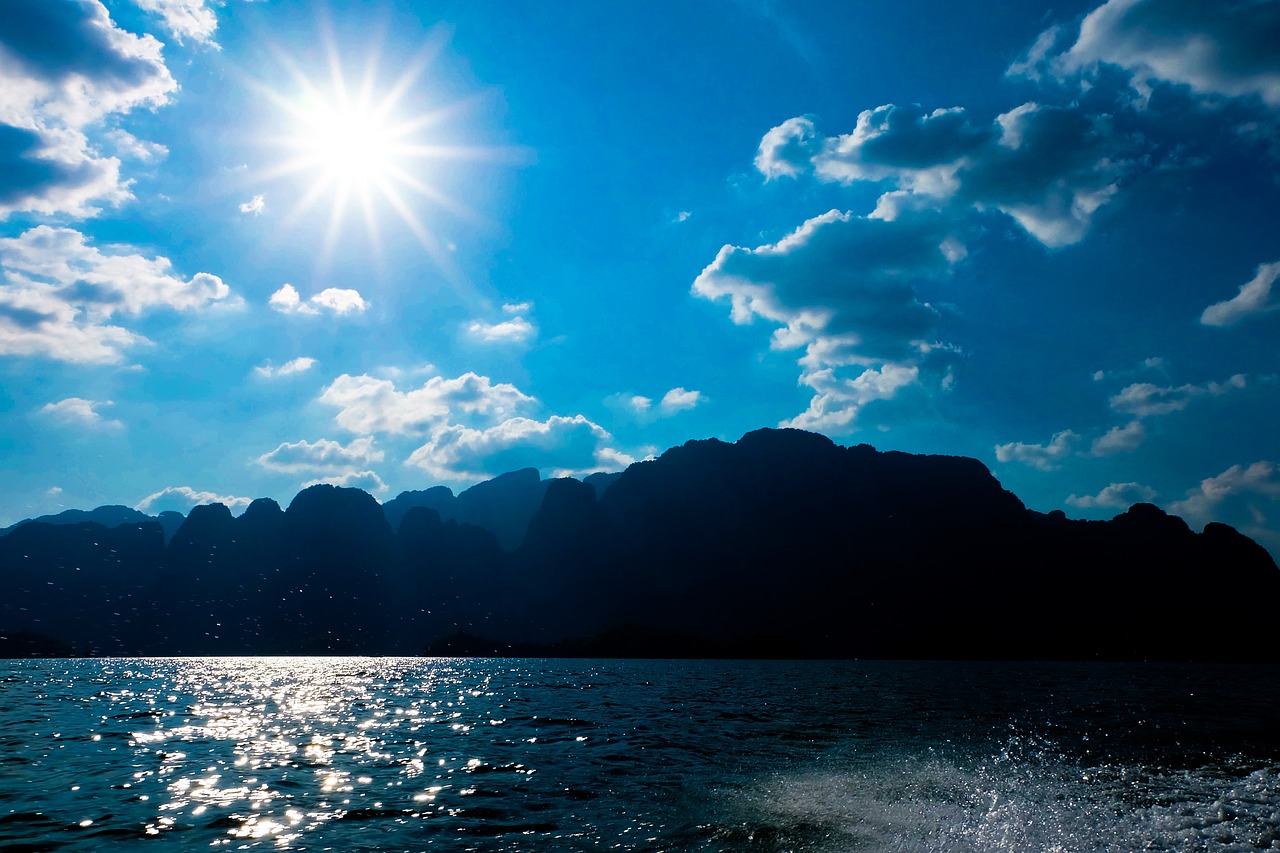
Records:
x=357, y=754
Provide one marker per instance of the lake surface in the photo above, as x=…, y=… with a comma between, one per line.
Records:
x=376, y=754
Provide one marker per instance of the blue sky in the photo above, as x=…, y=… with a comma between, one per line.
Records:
x=247, y=246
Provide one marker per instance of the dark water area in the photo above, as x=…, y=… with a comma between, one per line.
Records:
x=378, y=754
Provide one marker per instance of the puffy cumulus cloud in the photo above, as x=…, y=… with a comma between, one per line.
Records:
x=837, y=399
x=61, y=293
x=1224, y=48
x=915, y=149
x=1120, y=439
x=58, y=87
x=788, y=149
x=1253, y=299
x=842, y=288
x=301, y=364
x=1253, y=487
x=1145, y=399
x=679, y=400
x=255, y=205
x=1114, y=496
x=335, y=300
x=1048, y=167
x=40, y=175
x=567, y=446
x=77, y=411
x=837, y=275
x=328, y=461
x=184, y=19
x=183, y=498
x=369, y=405
x=321, y=457
x=1045, y=457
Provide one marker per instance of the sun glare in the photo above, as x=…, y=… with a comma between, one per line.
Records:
x=368, y=144
x=352, y=144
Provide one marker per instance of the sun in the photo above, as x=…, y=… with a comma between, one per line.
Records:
x=367, y=144
x=352, y=145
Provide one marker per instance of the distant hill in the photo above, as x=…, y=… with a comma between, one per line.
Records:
x=782, y=544
x=108, y=516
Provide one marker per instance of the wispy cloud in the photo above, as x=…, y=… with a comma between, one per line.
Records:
x=185, y=19
x=1114, y=496
x=77, y=411
x=301, y=364
x=1253, y=300
x=255, y=205
x=1046, y=457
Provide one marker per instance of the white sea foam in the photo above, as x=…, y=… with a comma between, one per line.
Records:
x=1022, y=800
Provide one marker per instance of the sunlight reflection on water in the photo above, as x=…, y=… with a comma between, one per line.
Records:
x=388, y=754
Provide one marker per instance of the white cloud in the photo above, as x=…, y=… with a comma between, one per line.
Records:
x=339, y=301
x=183, y=498
x=1114, y=496
x=786, y=150
x=61, y=293
x=326, y=457
x=367, y=480
x=1144, y=399
x=57, y=90
x=842, y=288
x=838, y=399
x=301, y=364
x=1205, y=502
x=1225, y=49
x=191, y=19
x=1045, y=457
x=370, y=405
x=77, y=411
x=679, y=400
x=336, y=300
x=53, y=491
x=1147, y=364
x=643, y=410
x=517, y=330
x=1254, y=299
x=637, y=404
x=128, y=145
x=286, y=300
x=1050, y=168
x=255, y=205
x=328, y=462
x=1120, y=439
x=568, y=446
x=518, y=307
x=683, y=215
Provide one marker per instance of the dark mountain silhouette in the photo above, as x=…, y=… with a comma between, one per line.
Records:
x=108, y=516
x=781, y=544
x=440, y=499
x=503, y=506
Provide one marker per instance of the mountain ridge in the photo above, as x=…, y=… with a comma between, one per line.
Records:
x=781, y=538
